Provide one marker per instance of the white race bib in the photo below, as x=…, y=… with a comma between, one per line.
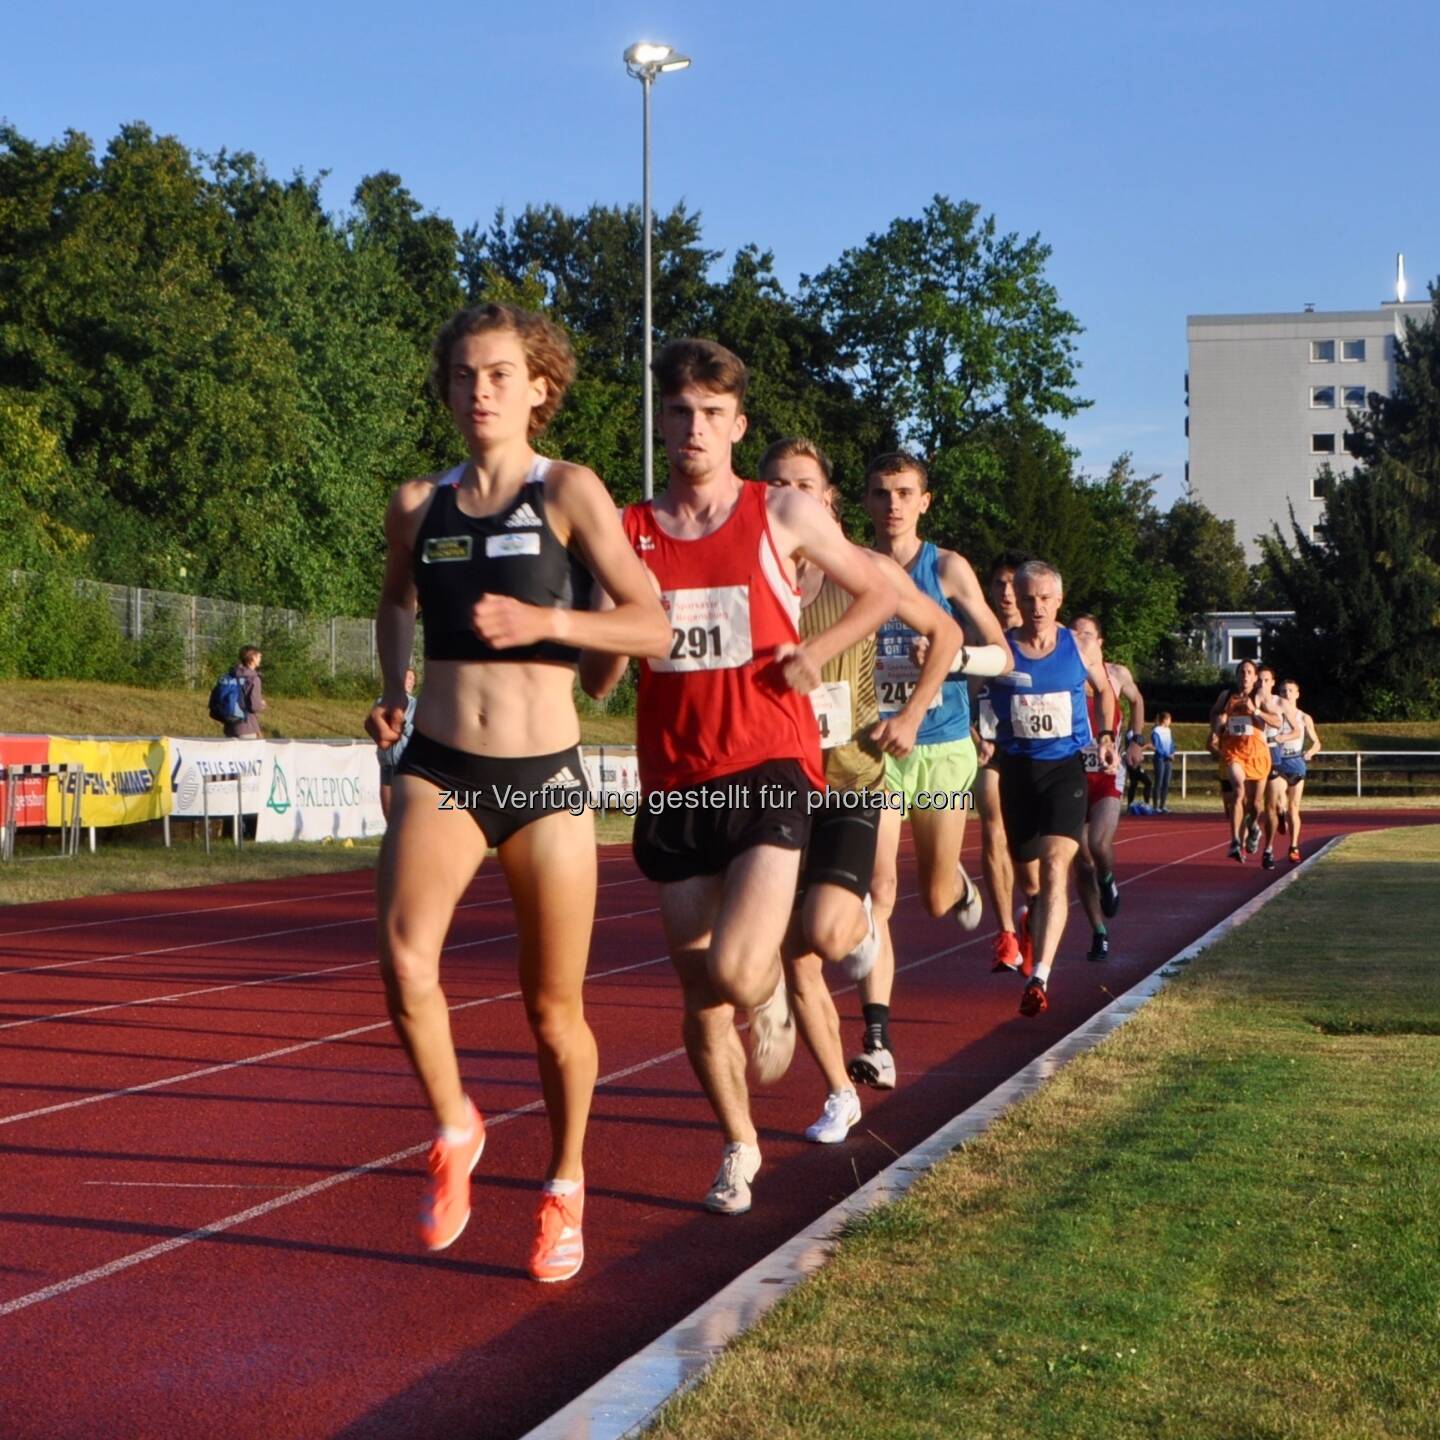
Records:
x=1239, y=725
x=1043, y=716
x=987, y=722
x=895, y=679
x=832, y=713
x=1092, y=759
x=709, y=629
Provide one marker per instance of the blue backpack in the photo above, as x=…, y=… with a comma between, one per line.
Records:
x=227, y=700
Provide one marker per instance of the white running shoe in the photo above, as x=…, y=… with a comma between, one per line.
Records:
x=875, y=1068
x=842, y=1110
x=772, y=1037
x=969, y=905
x=861, y=960
x=730, y=1194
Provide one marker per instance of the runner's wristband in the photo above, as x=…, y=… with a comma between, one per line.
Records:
x=1105, y=735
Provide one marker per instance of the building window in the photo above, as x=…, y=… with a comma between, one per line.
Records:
x=1315, y=537
x=1352, y=443
x=1322, y=350
x=1322, y=397
x=1355, y=397
x=1320, y=485
x=1322, y=444
x=1244, y=645
x=1352, y=349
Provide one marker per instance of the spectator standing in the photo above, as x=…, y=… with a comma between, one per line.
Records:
x=390, y=758
x=247, y=672
x=1164, y=744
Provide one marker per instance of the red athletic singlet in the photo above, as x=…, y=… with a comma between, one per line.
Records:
x=718, y=703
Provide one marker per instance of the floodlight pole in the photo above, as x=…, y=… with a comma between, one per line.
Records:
x=647, y=418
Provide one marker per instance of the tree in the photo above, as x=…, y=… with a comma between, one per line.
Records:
x=1202, y=551
x=1365, y=640
x=944, y=325
x=1403, y=427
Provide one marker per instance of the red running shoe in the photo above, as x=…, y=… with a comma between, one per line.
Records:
x=1027, y=944
x=1007, y=953
x=1034, y=1000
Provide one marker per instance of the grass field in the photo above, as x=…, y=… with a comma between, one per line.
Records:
x=137, y=860
x=1220, y=1223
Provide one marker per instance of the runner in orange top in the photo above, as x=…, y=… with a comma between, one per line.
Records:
x=1237, y=736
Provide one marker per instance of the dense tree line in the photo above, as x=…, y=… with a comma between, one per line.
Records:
x=209, y=383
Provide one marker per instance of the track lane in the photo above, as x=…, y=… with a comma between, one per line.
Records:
x=329, y=1288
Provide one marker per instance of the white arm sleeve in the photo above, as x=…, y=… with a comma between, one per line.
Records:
x=982, y=660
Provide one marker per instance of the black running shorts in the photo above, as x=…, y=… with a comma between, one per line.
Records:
x=1040, y=798
x=699, y=829
x=502, y=795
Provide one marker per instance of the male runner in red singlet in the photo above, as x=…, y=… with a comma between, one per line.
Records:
x=728, y=742
x=1095, y=872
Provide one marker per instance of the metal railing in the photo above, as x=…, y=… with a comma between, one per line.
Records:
x=1342, y=771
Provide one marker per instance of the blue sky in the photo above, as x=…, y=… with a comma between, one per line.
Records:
x=1179, y=159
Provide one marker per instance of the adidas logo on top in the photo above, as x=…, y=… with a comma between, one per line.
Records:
x=525, y=517
x=562, y=777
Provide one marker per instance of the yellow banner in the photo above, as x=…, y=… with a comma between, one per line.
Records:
x=126, y=781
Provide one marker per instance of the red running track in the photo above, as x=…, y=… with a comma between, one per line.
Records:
x=211, y=1147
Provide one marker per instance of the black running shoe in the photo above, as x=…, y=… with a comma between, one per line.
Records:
x=1236, y=853
x=1109, y=897
x=1099, y=947
x=1267, y=860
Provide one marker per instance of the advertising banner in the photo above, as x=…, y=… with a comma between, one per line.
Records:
x=613, y=778
x=126, y=781
x=29, y=794
x=190, y=760
x=314, y=791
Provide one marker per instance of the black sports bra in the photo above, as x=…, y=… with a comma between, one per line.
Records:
x=459, y=557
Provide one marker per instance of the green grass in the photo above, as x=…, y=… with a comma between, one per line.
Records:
x=1220, y=1223
x=130, y=862
x=73, y=707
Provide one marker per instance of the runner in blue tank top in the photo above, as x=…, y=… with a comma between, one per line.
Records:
x=1042, y=729
x=930, y=757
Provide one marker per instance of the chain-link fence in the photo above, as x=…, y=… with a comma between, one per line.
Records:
x=202, y=625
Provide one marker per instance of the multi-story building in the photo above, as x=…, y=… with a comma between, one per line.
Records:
x=1268, y=401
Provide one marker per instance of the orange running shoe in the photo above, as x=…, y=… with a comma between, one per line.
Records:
x=1294, y=853
x=1007, y=952
x=1027, y=944
x=445, y=1208
x=559, y=1247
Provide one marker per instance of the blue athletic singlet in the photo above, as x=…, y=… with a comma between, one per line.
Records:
x=1040, y=705
x=896, y=674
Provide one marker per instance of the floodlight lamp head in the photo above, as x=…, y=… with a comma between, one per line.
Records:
x=644, y=60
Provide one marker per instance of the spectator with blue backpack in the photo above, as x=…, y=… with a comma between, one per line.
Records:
x=238, y=697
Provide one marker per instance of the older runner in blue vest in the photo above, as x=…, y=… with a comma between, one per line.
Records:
x=1042, y=730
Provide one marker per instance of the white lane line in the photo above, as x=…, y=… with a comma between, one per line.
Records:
x=229, y=1222
x=181, y=1185
x=367, y=963
x=621, y=1403
x=488, y=872
x=109, y=922
x=214, y=943
x=126, y=1262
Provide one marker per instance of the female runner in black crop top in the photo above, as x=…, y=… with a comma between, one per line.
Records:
x=494, y=758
